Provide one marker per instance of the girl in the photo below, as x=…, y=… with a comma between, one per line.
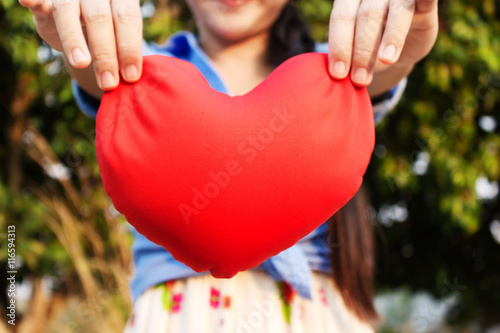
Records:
x=321, y=284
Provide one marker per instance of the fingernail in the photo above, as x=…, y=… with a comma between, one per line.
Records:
x=339, y=69
x=131, y=73
x=389, y=52
x=361, y=76
x=78, y=56
x=107, y=80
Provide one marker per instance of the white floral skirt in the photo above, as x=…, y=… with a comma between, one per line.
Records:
x=250, y=302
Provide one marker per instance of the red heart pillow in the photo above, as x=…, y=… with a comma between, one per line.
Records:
x=223, y=183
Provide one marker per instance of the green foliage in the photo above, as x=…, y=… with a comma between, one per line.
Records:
x=448, y=224
x=445, y=236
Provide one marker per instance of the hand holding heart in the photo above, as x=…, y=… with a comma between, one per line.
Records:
x=358, y=35
x=222, y=182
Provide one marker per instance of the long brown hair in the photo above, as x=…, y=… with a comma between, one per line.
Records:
x=351, y=238
x=351, y=232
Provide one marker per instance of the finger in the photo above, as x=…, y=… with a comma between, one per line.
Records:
x=31, y=3
x=369, y=23
x=426, y=6
x=67, y=20
x=128, y=26
x=341, y=36
x=42, y=15
x=101, y=37
x=398, y=25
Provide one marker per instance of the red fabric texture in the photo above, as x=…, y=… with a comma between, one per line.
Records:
x=223, y=183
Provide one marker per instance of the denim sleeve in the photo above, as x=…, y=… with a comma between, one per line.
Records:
x=384, y=103
x=88, y=104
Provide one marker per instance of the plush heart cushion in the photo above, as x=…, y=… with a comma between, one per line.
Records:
x=223, y=183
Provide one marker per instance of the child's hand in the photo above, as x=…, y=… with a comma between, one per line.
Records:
x=113, y=30
x=357, y=37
